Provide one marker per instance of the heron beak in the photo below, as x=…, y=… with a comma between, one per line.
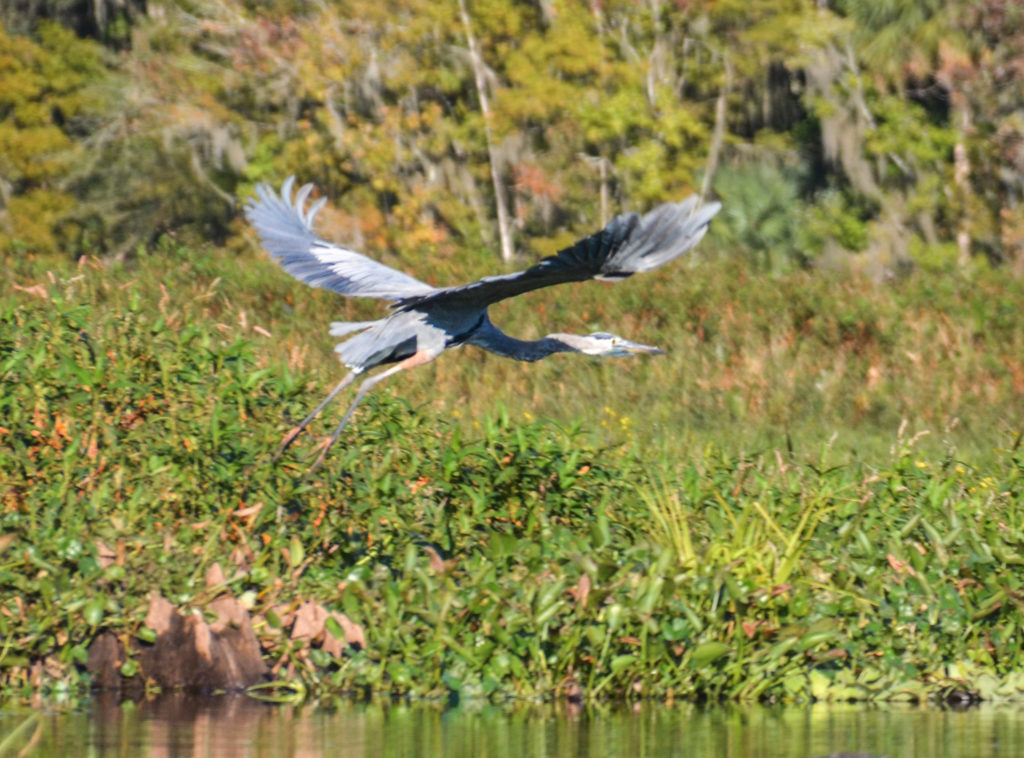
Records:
x=636, y=347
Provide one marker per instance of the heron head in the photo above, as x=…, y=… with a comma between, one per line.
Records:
x=605, y=345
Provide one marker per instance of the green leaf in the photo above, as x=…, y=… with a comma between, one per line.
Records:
x=708, y=652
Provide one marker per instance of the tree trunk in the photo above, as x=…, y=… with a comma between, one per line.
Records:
x=500, y=197
x=718, y=135
x=962, y=175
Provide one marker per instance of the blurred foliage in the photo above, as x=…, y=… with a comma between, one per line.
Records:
x=108, y=21
x=901, y=124
x=49, y=105
x=764, y=225
x=511, y=557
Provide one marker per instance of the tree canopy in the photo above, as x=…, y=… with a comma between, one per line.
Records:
x=892, y=132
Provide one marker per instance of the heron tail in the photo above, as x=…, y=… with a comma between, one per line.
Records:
x=341, y=328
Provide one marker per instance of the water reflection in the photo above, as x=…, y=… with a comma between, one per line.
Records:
x=242, y=728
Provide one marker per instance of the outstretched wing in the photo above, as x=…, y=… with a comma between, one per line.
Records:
x=629, y=244
x=286, y=230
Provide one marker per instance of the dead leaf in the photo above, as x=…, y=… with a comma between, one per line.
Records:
x=352, y=632
x=6, y=540
x=105, y=554
x=160, y=613
x=229, y=613
x=286, y=613
x=215, y=575
x=436, y=562
x=900, y=567
x=241, y=556
x=309, y=621
x=581, y=590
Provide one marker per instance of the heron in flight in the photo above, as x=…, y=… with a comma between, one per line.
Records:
x=425, y=321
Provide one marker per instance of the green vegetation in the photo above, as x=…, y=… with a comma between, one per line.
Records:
x=500, y=555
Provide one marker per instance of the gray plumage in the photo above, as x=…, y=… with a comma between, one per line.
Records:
x=427, y=320
x=287, y=233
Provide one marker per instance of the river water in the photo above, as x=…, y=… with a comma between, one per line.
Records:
x=239, y=727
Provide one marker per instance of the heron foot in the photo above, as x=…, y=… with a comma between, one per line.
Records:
x=286, y=441
x=323, y=447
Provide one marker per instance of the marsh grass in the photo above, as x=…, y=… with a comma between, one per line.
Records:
x=761, y=530
x=620, y=529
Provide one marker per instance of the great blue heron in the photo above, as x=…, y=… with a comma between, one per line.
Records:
x=426, y=320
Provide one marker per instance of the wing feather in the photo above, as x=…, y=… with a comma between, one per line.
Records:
x=286, y=229
x=628, y=245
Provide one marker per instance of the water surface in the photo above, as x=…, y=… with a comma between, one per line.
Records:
x=241, y=727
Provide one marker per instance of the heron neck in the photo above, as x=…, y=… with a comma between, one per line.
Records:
x=496, y=341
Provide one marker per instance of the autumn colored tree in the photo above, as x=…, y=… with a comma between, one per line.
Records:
x=887, y=131
x=50, y=105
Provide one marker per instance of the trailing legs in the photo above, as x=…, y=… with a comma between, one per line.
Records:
x=290, y=437
x=416, y=359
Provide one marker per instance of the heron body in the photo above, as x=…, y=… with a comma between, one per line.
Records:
x=425, y=321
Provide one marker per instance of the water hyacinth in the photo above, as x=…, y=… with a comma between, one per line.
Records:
x=494, y=557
